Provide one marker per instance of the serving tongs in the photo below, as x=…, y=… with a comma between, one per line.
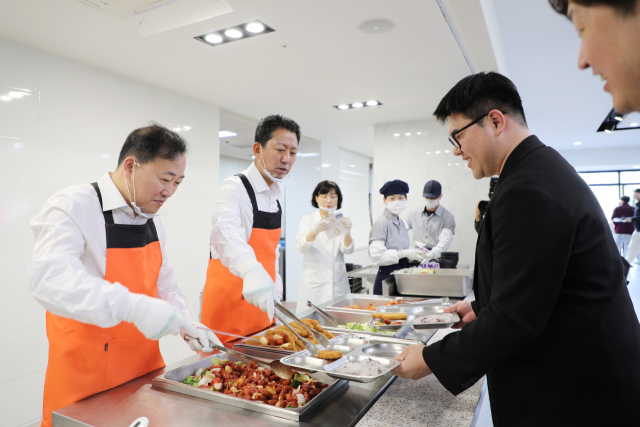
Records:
x=318, y=336
x=329, y=318
x=307, y=344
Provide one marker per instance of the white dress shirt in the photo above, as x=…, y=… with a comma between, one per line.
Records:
x=232, y=221
x=70, y=257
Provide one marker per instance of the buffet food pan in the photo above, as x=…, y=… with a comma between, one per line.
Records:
x=172, y=381
x=362, y=301
x=416, y=313
x=362, y=348
x=443, y=282
x=356, y=316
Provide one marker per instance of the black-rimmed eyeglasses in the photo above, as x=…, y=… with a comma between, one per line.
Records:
x=452, y=137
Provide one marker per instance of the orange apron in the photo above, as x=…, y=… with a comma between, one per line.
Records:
x=87, y=359
x=223, y=306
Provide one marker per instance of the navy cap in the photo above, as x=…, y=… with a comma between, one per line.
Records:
x=391, y=188
x=432, y=189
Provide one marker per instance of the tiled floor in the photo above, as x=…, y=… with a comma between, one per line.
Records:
x=484, y=417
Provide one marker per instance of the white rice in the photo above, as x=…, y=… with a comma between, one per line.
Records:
x=365, y=368
x=434, y=318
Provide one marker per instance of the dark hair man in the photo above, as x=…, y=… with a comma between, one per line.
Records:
x=552, y=325
x=610, y=30
x=623, y=228
x=634, y=245
x=242, y=278
x=100, y=269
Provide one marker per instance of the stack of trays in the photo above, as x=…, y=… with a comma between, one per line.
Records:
x=355, y=348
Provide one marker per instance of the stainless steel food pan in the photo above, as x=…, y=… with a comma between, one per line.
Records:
x=444, y=282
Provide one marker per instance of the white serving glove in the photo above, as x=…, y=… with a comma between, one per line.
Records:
x=410, y=254
x=258, y=288
x=156, y=318
x=347, y=224
x=320, y=226
x=432, y=254
x=203, y=340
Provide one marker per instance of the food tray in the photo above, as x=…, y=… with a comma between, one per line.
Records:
x=444, y=282
x=172, y=381
x=381, y=350
x=416, y=312
x=406, y=308
x=361, y=301
x=358, y=316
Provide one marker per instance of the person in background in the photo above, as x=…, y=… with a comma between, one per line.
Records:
x=552, y=325
x=634, y=245
x=623, y=229
x=242, y=278
x=389, y=242
x=432, y=225
x=324, y=273
x=100, y=269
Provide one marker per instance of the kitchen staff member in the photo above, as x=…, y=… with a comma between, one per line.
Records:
x=324, y=273
x=552, y=326
x=432, y=225
x=242, y=278
x=389, y=240
x=100, y=269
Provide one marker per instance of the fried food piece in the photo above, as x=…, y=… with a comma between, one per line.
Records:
x=328, y=334
x=390, y=316
x=329, y=354
x=288, y=346
x=253, y=342
x=313, y=324
x=269, y=333
x=312, y=339
x=301, y=330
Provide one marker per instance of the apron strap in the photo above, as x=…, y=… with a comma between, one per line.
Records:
x=108, y=215
x=249, y=188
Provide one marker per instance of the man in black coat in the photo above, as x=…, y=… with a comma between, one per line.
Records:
x=552, y=325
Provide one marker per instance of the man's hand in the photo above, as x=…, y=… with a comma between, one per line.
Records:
x=478, y=213
x=464, y=310
x=413, y=365
x=627, y=220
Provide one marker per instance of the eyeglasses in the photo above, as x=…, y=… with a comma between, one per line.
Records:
x=452, y=137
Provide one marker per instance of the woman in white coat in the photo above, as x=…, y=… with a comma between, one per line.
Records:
x=324, y=274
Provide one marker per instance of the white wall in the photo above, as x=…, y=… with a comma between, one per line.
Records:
x=612, y=158
x=231, y=166
x=69, y=131
x=413, y=159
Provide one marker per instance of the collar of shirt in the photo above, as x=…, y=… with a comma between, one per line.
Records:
x=112, y=200
x=438, y=211
x=259, y=184
x=392, y=217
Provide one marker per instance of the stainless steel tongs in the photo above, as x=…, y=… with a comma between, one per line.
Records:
x=317, y=335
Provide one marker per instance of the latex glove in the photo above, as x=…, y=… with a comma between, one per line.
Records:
x=258, y=288
x=203, y=339
x=347, y=224
x=432, y=254
x=410, y=254
x=156, y=318
x=320, y=226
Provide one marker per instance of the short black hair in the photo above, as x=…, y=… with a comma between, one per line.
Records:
x=325, y=187
x=480, y=93
x=269, y=124
x=625, y=199
x=637, y=190
x=150, y=142
x=624, y=7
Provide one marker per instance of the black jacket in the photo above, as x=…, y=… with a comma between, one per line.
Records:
x=556, y=332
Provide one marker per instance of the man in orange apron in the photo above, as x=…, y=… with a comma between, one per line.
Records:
x=242, y=277
x=100, y=270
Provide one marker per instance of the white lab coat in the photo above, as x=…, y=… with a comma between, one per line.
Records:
x=324, y=274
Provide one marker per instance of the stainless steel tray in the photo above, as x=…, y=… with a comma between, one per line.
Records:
x=348, y=316
x=172, y=381
x=414, y=313
x=377, y=300
x=271, y=352
x=444, y=282
x=379, y=349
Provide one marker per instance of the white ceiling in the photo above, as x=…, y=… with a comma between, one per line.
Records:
x=563, y=104
x=327, y=60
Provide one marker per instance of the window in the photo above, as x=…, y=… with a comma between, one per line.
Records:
x=609, y=186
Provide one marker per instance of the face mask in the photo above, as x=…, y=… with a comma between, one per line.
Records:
x=329, y=211
x=272, y=178
x=431, y=204
x=135, y=207
x=396, y=207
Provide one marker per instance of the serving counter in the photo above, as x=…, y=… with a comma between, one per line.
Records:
x=423, y=401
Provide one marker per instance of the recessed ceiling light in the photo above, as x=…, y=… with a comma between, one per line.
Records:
x=186, y=127
x=325, y=165
x=408, y=134
x=446, y=151
x=16, y=94
x=396, y=134
x=357, y=105
x=6, y=98
x=619, y=117
x=353, y=166
x=376, y=26
x=226, y=134
x=608, y=130
x=419, y=133
x=343, y=107
x=437, y=152
x=255, y=27
x=633, y=124
x=577, y=143
x=457, y=164
x=214, y=38
x=233, y=33
x=636, y=167
x=428, y=152
x=372, y=103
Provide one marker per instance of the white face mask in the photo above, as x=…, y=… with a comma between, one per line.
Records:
x=431, y=204
x=135, y=207
x=329, y=211
x=397, y=206
x=271, y=177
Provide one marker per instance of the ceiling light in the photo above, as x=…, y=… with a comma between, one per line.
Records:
x=619, y=117
x=408, y=134
x=636, y=167
x=105, y=156
x=233, y=33
x=608, y=130
x=437, y=152
x=446, y=151
x=226, y=134
x=6, y=98
x=325, y=165
x=449, y=164
x=186, y=127
x=342, y=107
x=214, y=38
x=372, y=103
x=633, y=124
x=577, y=143
x=357, y=105
x=419, y=133
x=353, y=166
x=376, y=26
x=16, y=94
x=428, y=152
x=396, y=134
x=255, y=27
x=457, y=164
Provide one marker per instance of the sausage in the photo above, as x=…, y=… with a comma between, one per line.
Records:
x=286, y=382
x=272, y=401
x=306, y=396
